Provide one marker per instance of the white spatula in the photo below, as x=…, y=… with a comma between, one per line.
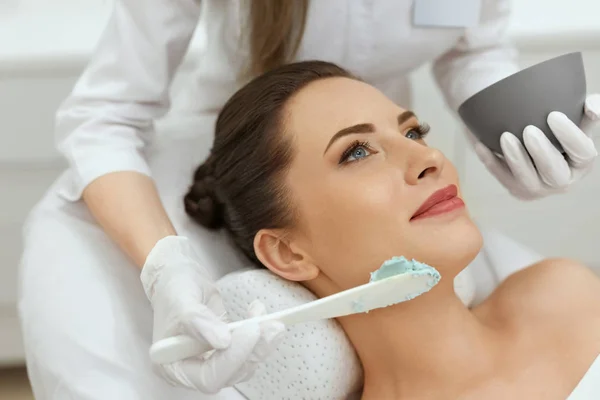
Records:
x=376, y=294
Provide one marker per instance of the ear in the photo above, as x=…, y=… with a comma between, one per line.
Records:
x=283, y=257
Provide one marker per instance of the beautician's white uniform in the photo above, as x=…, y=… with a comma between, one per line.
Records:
x=87, y=324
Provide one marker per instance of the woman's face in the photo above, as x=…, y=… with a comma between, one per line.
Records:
x=360, y=177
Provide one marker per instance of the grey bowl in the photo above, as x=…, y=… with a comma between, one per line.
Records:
x=526, y=98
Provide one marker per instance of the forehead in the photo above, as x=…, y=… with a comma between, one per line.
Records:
x=331, y=104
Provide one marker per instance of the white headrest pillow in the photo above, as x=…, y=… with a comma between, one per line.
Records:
x=316, y=360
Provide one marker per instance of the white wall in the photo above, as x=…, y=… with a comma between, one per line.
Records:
x=554, y=15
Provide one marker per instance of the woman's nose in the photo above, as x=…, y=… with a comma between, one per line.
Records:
x=424, y=162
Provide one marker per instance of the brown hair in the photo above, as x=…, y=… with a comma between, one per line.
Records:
x=276, y=28
x=240, y=185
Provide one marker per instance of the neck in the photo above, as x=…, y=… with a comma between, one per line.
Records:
x=430, y=341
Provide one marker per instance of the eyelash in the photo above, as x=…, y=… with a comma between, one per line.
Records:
x=348, y=152
x=422, y=130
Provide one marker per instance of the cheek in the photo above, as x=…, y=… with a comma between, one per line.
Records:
x=353, y=225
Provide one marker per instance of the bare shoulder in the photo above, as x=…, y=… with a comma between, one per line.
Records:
x=552, y=288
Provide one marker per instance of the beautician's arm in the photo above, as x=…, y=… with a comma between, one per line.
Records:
x=104, y=126
x=128, y=208
x=480, y=58
x=103, y=129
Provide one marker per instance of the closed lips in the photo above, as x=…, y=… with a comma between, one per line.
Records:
x=440, y=196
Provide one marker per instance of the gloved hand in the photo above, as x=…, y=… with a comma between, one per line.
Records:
x=185, y=301
x=549, y=172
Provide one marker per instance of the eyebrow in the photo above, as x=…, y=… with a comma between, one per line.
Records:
x=365, y=128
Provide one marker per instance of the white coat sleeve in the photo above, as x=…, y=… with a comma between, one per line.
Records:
x=105, y=123
x=480, y=58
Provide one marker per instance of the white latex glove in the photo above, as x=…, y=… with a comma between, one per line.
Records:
x=186, y=301
x=549, y=172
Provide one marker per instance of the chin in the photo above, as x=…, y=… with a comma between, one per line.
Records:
x=453, y=247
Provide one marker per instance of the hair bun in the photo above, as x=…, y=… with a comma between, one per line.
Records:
x=201, y=202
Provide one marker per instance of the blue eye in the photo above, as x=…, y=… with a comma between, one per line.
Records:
x=357, y=151
x=413, y=135
x=418, y=133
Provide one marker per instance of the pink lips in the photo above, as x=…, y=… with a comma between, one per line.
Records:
x=440, y=202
